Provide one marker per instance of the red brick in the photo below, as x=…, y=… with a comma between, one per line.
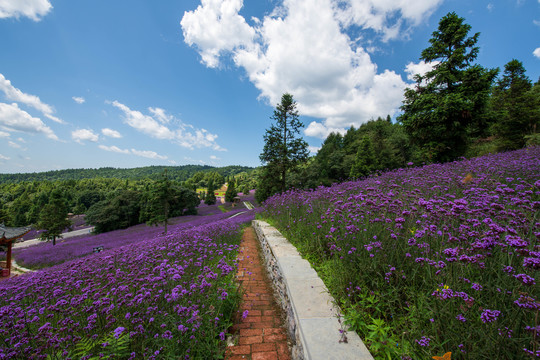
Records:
x=267, y=355
x=239, y=349
x=274, y=331
x=251, y=332
x=263, y=347
x=269, y=312
x=274, y=338
x=247, y=340
x=236, y=357
x=252, y=319
x=283, y=350
x=262, y=325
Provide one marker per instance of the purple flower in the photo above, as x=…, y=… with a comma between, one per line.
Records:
x=488, y=315
x=118, y=331
x=423, y=341
x=461, y=318
x=525, y=279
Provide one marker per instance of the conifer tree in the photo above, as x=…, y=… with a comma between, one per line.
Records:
x=449, y=102
x=210, y=198
x=283, y=149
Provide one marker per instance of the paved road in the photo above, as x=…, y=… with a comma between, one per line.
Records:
x=69, y=234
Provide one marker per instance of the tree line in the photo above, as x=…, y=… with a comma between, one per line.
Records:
x=177, y=173
x=456, y=109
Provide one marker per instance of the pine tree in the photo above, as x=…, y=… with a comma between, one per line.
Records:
x=231, y=192
x=53, y=218
x=514, y=107
x=210, y=194
x=366, y=161
x=283, y=149
x=448, y=103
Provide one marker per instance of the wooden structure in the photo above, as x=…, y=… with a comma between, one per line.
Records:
x=8, y=236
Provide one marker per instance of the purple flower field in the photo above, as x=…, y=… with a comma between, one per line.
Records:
x=429, y=260
x=45, y=255
x=160, y=297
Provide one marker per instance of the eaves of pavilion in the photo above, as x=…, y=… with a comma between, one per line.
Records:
x=8, y=235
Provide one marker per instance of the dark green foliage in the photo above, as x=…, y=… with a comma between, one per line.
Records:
x=231, y=192
x=53, y=218
x=118, y=212
x=165, y=199
x=269, y=184
x=448, y=103
x=366, y=161
x=177, y=173
x=210, y=198
x=283, y=149
x=515, y=107
x=330, y=159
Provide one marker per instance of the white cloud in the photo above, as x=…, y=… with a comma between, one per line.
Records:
x=78, y=99
x=143, y=153
x=33, y=9
x=215, y=27
x=156, y=126
x=490, y=7
x=536, y=52
x=389, y=18
x=4, y=134
x=420, y=68
x=303, y=48
x=214, y=157
x=111, y=133
x=12, y=118
x=2, y=157
x=14, y=94
x=314, y=149
x=81, y=135
x=14, y=145
x=114, y=149
x=148, y=154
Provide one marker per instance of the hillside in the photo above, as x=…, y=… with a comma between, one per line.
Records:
x=178, y=173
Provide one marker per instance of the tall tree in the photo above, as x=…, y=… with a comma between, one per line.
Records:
x=161, y=199
x=231, y=192
x=448, y=102
x=366, y=161
x=514, y=107
x=53, y=218
x=210, y=198
x=283, y=149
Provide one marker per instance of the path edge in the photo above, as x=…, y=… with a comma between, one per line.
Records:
x=312, y=318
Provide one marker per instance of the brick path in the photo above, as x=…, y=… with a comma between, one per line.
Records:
x=261, y=335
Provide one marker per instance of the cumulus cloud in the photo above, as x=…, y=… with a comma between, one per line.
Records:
x=420, y=68
x=389, y=18
x=33, y=9
x=304, y=48
x=14, y=94
x=160, y=125
x=115, y=149
x=81, y=135
x=12, y=118
x=536, y=52
x=4, y=134
x=215, y=27
x=2, y=157
x=111, y=133
x=78, y=99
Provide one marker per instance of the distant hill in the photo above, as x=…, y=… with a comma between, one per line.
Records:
x=178, y=173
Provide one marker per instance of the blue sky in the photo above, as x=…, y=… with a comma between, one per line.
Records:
x=94, y=83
